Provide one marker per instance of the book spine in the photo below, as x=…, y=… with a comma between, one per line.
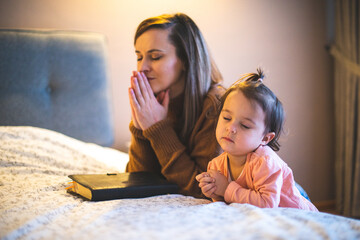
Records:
x=132, y=192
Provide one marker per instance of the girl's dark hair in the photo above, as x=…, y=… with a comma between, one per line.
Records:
x=201, y=73
x=253, y=88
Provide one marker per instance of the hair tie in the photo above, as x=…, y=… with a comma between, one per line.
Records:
x=260, y=80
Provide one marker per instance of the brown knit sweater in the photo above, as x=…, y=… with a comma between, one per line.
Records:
x=159, y=149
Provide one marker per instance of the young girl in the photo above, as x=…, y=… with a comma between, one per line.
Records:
x=249, y=170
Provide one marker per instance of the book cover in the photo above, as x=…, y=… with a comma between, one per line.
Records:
x=99, y=187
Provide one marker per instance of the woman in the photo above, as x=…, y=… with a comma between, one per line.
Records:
x=174, y=96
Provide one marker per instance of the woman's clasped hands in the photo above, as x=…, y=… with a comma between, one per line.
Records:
x=146, y=108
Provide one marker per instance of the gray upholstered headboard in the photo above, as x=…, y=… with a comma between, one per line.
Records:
x=56, y=80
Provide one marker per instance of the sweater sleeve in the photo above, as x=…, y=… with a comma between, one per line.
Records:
x=264, y=185
x=178, y=163
x=140, y=149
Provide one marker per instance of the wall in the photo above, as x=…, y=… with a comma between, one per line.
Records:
x=285, y=37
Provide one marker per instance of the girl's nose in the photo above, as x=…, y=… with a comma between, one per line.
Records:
x=231, y=129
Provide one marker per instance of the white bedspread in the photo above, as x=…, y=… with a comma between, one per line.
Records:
x=34, y=204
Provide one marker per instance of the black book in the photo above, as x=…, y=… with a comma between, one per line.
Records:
x=98, y=187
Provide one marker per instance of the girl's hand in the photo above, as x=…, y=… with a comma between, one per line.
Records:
x=221, y=182
x=206, y=183
x=146, y=109
x=204, y=177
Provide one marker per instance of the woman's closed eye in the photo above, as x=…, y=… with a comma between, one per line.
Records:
x=139, y=57
x=155, y=57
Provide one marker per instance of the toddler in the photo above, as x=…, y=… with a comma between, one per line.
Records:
x=249, y=170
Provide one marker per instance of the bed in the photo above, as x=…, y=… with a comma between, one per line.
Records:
x=36, y=157
x=34, y=204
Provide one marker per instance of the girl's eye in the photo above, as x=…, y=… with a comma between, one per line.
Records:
x=227, y=119
x=139, y=59
x=244, y=126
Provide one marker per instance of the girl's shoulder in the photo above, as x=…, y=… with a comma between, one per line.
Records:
x=219, y=161
x=264, y=156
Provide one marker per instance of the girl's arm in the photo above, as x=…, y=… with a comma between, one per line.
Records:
x=265, y=182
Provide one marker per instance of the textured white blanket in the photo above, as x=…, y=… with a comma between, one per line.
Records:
x=34, y=204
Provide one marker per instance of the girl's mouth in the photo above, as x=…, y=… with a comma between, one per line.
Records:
x=228, y=139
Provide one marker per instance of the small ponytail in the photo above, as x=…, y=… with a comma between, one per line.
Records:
x=253, y=78
x=261, y=75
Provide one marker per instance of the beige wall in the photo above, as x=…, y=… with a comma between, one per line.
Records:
x=285, y=37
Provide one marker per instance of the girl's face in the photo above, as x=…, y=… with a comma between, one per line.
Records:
x=156, y=57
x=241, y=126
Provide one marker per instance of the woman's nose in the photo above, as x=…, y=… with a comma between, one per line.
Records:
x=143, y=66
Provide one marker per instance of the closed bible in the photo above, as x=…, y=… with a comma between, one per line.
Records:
x=99, y=187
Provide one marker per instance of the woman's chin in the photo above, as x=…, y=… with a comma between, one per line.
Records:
x=156, y=90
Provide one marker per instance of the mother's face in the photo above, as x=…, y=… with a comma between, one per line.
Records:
x=157, y=58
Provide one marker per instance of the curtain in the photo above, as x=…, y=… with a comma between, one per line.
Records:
x=346, y=52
